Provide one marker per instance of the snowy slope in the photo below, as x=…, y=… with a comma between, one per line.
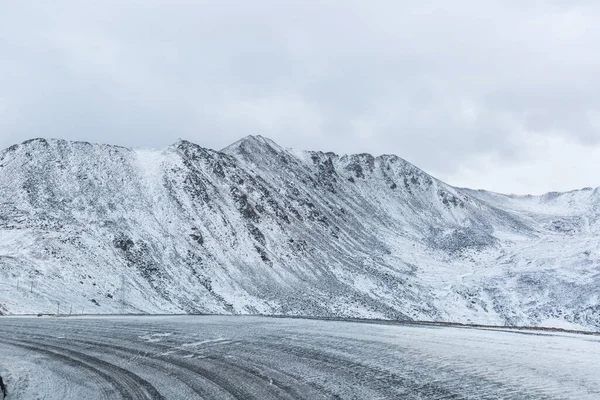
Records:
x=256, y=228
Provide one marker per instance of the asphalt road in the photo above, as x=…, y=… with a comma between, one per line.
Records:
x=270, y=358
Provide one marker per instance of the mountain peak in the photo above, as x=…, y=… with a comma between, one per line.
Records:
x=252, y=143
x=47, y=146
x=182, y=143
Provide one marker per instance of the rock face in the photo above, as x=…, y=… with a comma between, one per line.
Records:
x=256, y=228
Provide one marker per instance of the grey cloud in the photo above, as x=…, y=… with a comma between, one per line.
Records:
x=438, y=83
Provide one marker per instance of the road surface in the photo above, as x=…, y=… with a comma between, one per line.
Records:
x=186, y=357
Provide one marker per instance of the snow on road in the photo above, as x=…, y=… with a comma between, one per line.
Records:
x=270, y=358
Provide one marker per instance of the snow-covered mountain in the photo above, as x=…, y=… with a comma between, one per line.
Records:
x=256, y=228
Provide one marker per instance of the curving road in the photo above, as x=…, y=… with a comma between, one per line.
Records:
x=275, y=358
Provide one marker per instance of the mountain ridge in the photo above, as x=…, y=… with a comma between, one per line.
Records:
x=256, y=228
x=223, y=150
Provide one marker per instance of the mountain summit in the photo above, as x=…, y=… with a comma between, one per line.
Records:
x=256, y=228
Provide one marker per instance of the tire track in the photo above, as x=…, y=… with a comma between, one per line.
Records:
x=127, y=384
x=198, y=383
x=266, y=359
x=228, y=378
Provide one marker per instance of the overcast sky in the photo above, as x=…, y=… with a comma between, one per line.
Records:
x=502, y=95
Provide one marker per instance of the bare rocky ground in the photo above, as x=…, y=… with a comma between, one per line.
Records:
x=177, y=357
